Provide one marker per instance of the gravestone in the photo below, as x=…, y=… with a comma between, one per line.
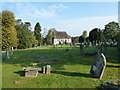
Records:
x=98, y=65
x=31, y=73
x=101, y=48
x=118, y=45
x=43, y=69
x=11, y=52
x=7, y=54
x=87, y=44
x=81, y=49
x=32, y=69
x=48, y=69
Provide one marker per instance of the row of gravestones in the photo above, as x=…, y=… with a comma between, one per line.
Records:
x=101, y=48
x=8, y=53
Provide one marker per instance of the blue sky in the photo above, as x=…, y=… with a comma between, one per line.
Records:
x=72, y=17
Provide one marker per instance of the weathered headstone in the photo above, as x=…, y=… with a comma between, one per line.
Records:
x=48, y=69
x=7, y=54
x=98, y=66
x=101, y=48
x=11, y=52
x=44, y=69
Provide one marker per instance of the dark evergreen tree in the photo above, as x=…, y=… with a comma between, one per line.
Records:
x=49, y=38
x=95, y=35
x=37, y=33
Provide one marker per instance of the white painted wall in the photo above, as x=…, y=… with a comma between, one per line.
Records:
x=56, y=41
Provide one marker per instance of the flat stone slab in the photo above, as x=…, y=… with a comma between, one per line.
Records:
x=32, y=69
x=31, y=73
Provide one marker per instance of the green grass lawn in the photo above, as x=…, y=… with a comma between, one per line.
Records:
x=71, y=70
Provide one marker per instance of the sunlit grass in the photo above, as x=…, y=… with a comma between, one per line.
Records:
x=71, y=70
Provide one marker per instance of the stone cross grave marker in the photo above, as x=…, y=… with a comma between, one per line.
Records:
x=98, y=66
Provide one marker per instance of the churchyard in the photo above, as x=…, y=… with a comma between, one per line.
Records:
x=69, y=67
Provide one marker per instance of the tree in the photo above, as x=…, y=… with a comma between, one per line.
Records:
x=111, y=30
x=9, y=34
x=81, y=39
x=84, y=35
x=37, y=33
x=26, y=36
x=95, y=35
x=49, y=38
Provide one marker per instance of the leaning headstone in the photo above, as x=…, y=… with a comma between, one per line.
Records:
x=101, y=48
x=98, y=66
x=7, y=54
x=48, y=69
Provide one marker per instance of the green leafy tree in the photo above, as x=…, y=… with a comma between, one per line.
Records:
x=84, y=35
x=111, y=30
x=95, y=35
x=37, y=33
x=25, y=35
x=9, y=34
x=49, y=38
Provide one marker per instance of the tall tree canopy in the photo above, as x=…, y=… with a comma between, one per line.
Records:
x=49, y=38
x=84, y=35
x=111, y=30
x=37, y=33
x=9, y=34
x=26, y=36
x=95, y=35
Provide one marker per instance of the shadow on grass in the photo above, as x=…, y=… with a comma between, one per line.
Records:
x=72, y=74
x=21, y=73
x=112, y=66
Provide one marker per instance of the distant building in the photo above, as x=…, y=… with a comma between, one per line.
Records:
x=60, y=37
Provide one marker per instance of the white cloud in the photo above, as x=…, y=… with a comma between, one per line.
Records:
x=75, y=27
x=57, y=7
x=31, y=11
x=28, y=10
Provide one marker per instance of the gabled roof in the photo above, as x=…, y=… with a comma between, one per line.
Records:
x=60, y=35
